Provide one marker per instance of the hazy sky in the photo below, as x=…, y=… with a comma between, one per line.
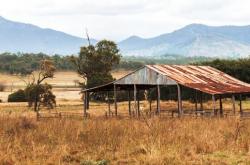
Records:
x=118, y=19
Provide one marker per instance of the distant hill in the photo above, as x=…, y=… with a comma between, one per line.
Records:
x=20, y=37
x=193, y=40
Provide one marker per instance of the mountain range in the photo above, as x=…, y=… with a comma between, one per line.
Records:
x=21, y=37
x=191, y=40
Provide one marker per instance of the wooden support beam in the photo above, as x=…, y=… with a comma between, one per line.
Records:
x=135, y=96
x=129, y=103
x=150, y=102
x=221, y=107
x=158, y=100
x=85, y=105
x=214, y=104
x=109, y=107
x=150, y=105
x=138, y=104
x=115, y=99
x=241, y=110
x=233, y=102
x=179, y=99
x=196, y=100
x=201, y=101
x=87, y=100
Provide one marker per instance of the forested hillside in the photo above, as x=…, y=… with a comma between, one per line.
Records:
x=28, y=62
x=25, y=63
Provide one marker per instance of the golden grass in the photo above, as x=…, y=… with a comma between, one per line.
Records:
x=122, y=141
x=24, y=140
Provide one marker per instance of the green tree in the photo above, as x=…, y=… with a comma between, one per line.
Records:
x=95, y=63
x=45, y=95
x=47, y=70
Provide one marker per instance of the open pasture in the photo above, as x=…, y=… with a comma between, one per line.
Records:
x=24, y=140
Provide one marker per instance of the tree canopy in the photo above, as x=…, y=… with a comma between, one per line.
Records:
x=239, y=68
x=26, y=63
x=95, y=63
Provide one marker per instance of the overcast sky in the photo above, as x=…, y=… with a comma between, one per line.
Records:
x=118, y=19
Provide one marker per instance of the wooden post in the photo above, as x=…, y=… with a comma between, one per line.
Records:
x=214, y=104
x=87, y=100
x=233, y=102
x=109, y=108
x=135, y=93
x=179, y=100
x=138, y=104
x=201, y=101
x=241, y=110
x=115, y=100
x=129, y=103
x=85, y=105
x=196, y=106
x=221, y=108
x=150, y=105
x=158, y=99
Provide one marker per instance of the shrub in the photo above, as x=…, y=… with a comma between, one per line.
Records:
x=18, y=96
x=2, y=87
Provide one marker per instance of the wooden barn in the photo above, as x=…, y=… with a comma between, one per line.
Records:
x=201, y=79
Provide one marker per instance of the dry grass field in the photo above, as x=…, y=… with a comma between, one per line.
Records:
x=23, y=140
x=122, y=140
x=118, y=140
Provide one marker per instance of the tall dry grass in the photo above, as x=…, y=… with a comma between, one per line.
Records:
x=124, y=141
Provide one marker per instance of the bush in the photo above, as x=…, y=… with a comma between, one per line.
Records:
x=2, y=87
x=18, y=96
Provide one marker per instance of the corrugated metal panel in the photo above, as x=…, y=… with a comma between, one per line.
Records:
x=203, y=78
x=145, y=76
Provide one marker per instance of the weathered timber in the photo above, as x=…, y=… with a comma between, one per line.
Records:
x=129, y=103
x=158, y=100
x=115, y=99
x=179, y=99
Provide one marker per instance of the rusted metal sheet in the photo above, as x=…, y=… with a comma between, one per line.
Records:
x=146, y=76
x=202, y=78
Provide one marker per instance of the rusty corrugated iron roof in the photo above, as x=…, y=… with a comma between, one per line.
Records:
x=203, y=78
